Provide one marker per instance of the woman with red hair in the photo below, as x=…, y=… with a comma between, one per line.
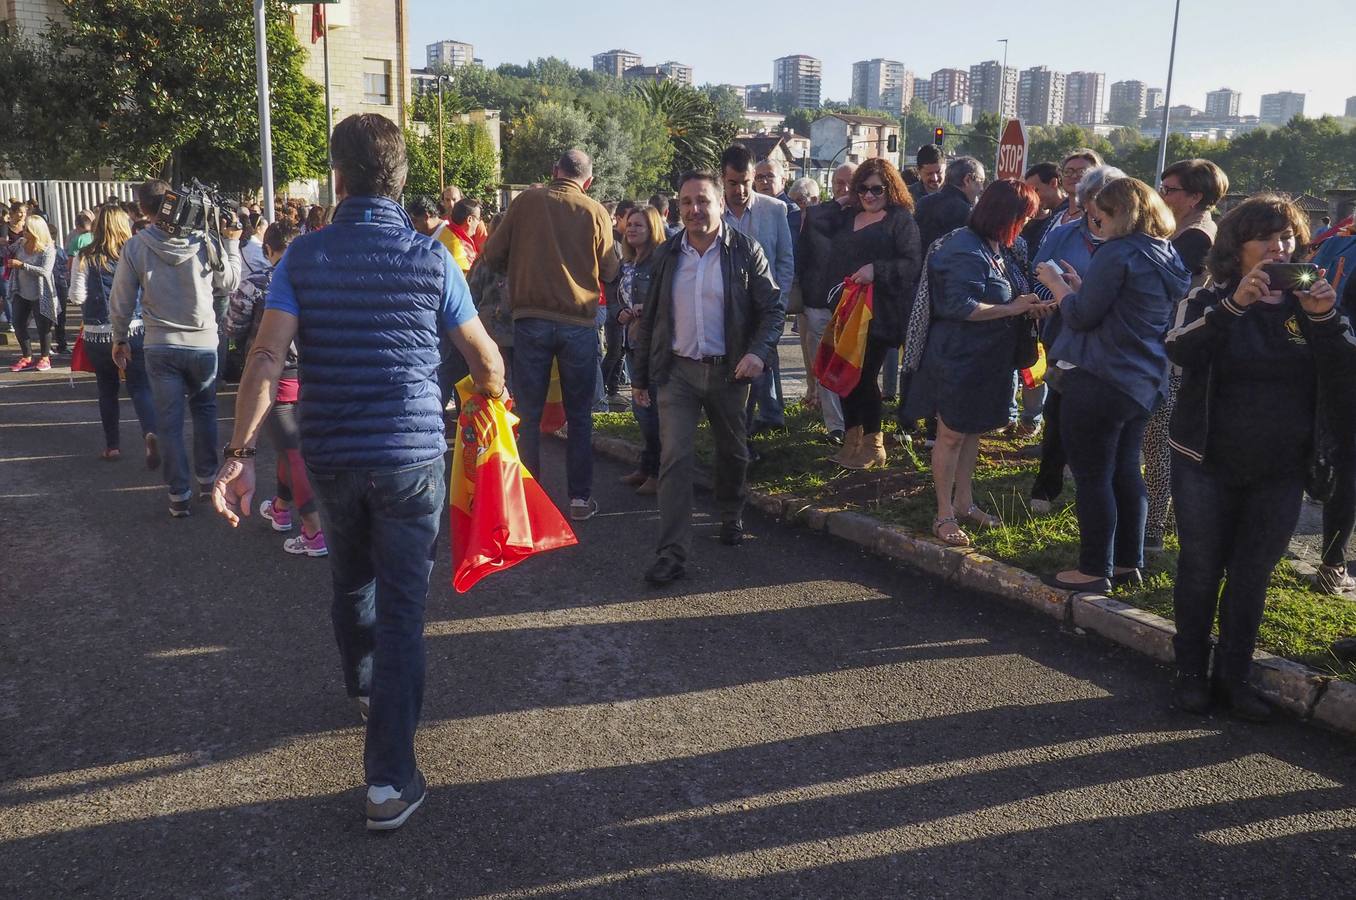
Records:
x=874, y=241
x=980, y=296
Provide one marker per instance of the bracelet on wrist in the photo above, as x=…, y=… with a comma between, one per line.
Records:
x=230, y=452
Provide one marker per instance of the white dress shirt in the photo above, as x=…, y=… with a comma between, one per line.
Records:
x=699, y=301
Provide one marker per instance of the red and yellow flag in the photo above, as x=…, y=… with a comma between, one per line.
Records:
x=499, y=513
x=838, y=361
x=553, y=413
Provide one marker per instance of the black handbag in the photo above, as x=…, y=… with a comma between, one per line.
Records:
x=1027, y=351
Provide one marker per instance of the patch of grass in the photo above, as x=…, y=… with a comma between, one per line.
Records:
x=1299, y=623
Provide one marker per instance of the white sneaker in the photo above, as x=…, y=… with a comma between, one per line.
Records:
x=1040, y=507
x=581, y=510
x=1334, y=580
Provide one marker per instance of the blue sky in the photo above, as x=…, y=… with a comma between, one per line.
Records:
x=1252, y=46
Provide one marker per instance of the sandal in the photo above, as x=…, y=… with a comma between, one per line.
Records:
x=110, y=454
x=980, y=519
x=956, y=537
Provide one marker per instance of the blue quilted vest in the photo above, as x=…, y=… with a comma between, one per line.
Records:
x=369, y=290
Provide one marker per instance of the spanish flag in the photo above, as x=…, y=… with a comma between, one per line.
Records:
x=838, y=361
x=499, y=514
x=553, y=413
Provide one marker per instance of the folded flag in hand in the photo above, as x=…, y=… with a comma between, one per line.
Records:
x=553, y=413
x=499, y=513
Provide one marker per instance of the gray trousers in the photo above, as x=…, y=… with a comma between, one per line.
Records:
x=692, y=388
x=813, y=324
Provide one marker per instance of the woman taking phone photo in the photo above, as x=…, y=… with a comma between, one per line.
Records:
x=1253, y=360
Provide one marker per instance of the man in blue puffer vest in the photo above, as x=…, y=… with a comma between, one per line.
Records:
x=366, y=300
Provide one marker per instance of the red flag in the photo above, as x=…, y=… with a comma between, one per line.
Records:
x=553, y=413
x=838, y=361
x=499, y=514
x=317, y=21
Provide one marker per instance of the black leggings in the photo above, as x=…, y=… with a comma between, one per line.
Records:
x=862, y=406
x=24, y=310
x=1339, y=513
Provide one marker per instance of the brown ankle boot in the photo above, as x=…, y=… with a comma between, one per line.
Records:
x=869, y=452
x=852, y=444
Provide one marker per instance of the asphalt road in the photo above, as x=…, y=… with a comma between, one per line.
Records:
x=796, y=719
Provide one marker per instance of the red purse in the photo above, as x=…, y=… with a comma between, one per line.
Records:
x=79, y=358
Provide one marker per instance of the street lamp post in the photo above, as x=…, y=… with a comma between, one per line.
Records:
x=1003, y=85
x=265, y=127
x=442, y=179
x=1167, y=98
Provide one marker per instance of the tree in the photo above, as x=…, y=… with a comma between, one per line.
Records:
x=140, y=84
x=800, y=120
x=470, y=160
x=697, y=135
x=540, y=137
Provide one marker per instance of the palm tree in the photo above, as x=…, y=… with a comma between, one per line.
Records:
x=694, y=128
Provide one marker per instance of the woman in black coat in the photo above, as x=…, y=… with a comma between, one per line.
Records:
x=875, y=241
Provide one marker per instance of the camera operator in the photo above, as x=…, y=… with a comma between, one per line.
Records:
x=177, y=283
x=1254, y=353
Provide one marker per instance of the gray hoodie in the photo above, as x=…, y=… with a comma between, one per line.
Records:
x=177, y=288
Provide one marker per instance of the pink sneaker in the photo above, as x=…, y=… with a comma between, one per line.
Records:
x=25, y=362
x=44, y=364
x=307, y=545
x=281, y=518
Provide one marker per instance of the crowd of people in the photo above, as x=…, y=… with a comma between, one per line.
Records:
x=1190, y=386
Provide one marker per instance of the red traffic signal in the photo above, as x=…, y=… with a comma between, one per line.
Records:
x=938, y=135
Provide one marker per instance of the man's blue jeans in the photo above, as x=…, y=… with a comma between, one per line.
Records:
x=1033, y=401
x=765, y=406
x=536, y=342
x=381, y=528
x=175, y=372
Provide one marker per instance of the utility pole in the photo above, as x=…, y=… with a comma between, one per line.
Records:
x=265, y=126
x=1167, y=100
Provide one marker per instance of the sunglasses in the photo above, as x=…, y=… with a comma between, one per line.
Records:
x=874, y=190
x=1165, y=190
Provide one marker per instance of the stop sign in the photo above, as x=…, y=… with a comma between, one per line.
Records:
x=1011, y=150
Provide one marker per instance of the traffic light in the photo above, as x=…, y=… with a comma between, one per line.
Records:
x=938, y=135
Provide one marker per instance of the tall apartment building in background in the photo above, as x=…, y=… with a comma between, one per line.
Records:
x=1040, y=96
x=1085, y=98
x=1223, y=103
x=450, y=55
x=1128, y=101
x=799, y=77
x=1281, y=107
x=616, y=62
x=951, y=85
x=668, y=71
x=882, y=84
x=990, y=86
x=1153, y=99
x=369, y=71
x=758, y=96
x=922, y=89
x=1351, y=108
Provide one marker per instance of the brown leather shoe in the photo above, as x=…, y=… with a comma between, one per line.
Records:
x=635, y=479
x=648, y=488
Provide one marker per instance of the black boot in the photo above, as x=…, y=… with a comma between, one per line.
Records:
x=1191, y=693
x=1242, y=702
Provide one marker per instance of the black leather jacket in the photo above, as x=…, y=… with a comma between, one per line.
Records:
x=755, y=310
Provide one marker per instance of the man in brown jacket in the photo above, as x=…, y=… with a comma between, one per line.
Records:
x=556, y=245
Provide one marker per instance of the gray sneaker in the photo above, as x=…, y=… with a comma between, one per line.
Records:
x=364, y=707
x=389, y=815
x=180, y=509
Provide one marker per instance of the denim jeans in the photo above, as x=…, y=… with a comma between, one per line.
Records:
x=765, y=406
x=174, y=372
x=1103, y=430
x=830, y=404
x=110, y=383
x=1232, y=531
x=536, y=342
x=381, y=528
x=1033, y=401
x=647, y=417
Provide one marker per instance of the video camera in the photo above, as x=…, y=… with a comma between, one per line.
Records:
x=199, y=207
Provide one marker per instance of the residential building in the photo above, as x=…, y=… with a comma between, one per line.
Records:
x=953, y=112
x=29, y=16
x=1085, y=98
x=739, y=90
x=952, y=85
x=1154, y=98
x=840, y=137
x=1281, y=107
x=769, y=146
x=1223, y=103
x=616, y=62
x=758, y=96
x=798, y=77
x=669, y=71
x=1128, y=102
x=882, y=84
x=765, y=121
x=1351, y=108
x=922, y=89
x=450, y=54
x=1040, y=96
x=369, y=69
x=1183, y=111
x=993, y=89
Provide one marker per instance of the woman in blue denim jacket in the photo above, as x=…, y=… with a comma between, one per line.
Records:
x=643, y=235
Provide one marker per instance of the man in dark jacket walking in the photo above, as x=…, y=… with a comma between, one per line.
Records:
x=367, y=300
x=948, y=209
x=709, y=327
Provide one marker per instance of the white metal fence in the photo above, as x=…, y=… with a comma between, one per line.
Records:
x=62, y=200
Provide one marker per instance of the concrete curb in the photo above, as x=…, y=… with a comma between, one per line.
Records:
x=1304, y=693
